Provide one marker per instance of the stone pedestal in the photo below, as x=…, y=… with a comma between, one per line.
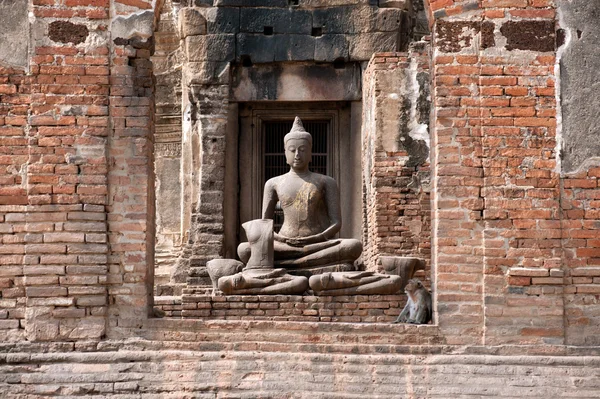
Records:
x=340, y=309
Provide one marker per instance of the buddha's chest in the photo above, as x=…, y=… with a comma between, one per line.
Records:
x=300, y=195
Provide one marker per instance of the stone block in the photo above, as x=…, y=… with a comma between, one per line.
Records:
x=222, y=20
x=331, y=47
x=579, y=62
x=72, y=313
x=210, y=47
x=256, y=46
x=46, y=291
x=89, y=328
x=294, y=48
x=362, y=46
x=275, y=21
x=191, y=23
x=349, y=20
x=333, y=19
x=64, y=237
x=389, y=20
x=38, y=330
x=8, y=324
x=86, y=248
x=96, y=300
x=50, y=301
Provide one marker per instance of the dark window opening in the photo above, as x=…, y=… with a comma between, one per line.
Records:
x=268, y=31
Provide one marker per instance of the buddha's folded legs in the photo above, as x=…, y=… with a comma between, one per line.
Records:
x=246, y=283
x=354, y=283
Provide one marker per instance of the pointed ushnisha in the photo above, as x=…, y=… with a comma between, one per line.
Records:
x=298, y=132
x=298, y=126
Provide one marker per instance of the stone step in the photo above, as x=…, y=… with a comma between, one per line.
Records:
x=294, y=336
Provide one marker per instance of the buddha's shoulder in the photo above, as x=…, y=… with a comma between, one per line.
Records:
x=324, y=179
x=274, y=181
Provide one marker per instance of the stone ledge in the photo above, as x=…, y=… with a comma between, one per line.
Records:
x=335, y=309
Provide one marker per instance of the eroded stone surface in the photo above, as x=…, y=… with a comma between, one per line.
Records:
x=135, y=26
x=14, y=31
x=580, y=83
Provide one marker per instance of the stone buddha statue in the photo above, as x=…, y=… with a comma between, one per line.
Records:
x=311, y=208
x=312, y=217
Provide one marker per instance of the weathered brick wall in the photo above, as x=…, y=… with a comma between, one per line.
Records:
x=396, y=173
x=514, y=245
x=131, y=179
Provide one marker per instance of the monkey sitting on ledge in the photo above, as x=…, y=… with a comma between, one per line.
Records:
x=418, y=308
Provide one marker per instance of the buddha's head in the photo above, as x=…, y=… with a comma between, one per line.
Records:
x=298, y=147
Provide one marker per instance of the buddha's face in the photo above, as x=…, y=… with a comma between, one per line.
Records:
x=298, y=154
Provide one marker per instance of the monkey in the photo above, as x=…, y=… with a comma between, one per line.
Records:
x=418, y=308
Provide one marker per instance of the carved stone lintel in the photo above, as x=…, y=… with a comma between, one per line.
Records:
x=167, y=150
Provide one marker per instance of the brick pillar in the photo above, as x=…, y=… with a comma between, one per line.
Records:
x=131, y=179
x=496, y=222
x=65, y=241
x=14, y=107
x=457, y=227
x=396, y=156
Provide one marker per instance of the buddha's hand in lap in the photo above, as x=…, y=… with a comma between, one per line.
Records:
x=300, y=241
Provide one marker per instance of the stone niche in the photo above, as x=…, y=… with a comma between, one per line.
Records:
x=235, y=71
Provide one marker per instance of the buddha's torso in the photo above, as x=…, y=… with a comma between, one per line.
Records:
x=303, y=200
